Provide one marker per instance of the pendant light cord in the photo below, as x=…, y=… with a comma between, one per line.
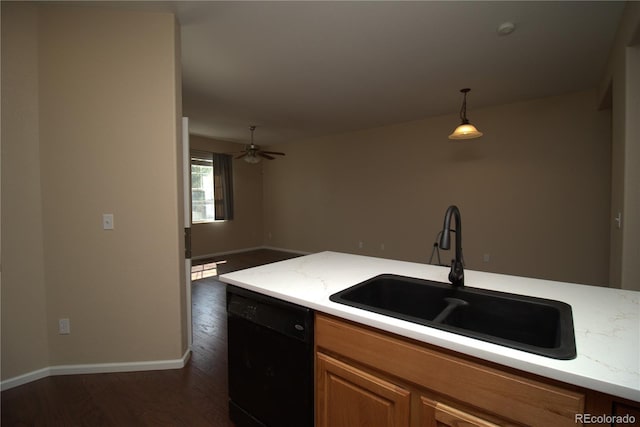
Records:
x=463, y=110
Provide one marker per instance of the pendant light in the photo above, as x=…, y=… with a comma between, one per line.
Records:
x=466, y=130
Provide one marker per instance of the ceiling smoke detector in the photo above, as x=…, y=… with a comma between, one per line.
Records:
x=506, y=28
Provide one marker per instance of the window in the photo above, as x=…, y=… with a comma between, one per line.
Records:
x=211, y=187
x=202, y=199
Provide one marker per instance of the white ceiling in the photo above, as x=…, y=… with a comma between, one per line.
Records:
x=305, y=69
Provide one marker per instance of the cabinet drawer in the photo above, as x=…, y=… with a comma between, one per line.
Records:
x=502, y=393
x=436, y=414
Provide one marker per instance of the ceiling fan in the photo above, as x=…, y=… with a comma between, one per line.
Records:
x=253, y=154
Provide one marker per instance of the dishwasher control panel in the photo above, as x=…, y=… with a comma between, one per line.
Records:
x=281, y=316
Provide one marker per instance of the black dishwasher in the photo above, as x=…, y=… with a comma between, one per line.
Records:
x=270, y=344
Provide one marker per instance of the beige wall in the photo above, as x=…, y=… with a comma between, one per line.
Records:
x=533, y=192
x=621, y=82
x=24, y=313
x=107, y=104
x=185, y=294
x=245, y=230
x=631, y=246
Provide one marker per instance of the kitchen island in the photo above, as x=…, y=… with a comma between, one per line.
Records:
x=606, y=321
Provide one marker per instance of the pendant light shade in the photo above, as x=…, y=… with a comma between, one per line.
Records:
x=466, y=130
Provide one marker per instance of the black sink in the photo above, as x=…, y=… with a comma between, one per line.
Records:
x=410, y=299
x=535, y=325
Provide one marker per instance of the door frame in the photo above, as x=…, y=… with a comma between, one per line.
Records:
x=186, y=188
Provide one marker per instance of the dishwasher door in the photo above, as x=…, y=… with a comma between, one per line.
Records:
x=270, y=344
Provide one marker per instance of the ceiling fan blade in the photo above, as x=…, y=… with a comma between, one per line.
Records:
x=277, y=153
x=242, y=155
x=266, y=156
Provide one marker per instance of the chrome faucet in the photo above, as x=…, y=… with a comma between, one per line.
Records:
x=456, y=275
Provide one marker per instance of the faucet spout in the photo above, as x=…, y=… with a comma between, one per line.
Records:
x=456, y=275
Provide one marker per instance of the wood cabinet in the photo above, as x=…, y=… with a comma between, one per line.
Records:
x=625, y=414
x=350, y=397
x=366, y=377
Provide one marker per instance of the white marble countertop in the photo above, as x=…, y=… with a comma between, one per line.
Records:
x=606, y=321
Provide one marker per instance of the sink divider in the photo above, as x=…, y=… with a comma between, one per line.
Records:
x=452, y=304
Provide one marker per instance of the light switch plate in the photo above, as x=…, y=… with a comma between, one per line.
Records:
x=64, y=326
x=107, y=221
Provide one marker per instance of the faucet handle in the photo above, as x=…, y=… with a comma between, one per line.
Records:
x=456, y=275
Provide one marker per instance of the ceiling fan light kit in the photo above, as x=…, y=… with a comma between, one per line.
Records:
x=253, y=154
x=252, y=158
x=465, y=130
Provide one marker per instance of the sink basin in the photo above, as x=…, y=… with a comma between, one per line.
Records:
x=410, y=299
x=535, y=325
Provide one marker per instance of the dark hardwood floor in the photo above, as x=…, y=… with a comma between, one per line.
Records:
x=193, y=396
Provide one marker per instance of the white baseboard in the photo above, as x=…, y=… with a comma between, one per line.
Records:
x=293, y=251
x=97, y=368
x=235, y=251
x=25, y=378
x=255, y=248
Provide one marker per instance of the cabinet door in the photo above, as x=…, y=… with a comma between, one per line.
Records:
x=349, y=397
x=625, y=415
x=436, y=414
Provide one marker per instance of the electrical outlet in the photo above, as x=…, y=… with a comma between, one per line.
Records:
x=64, y=326
x=360, y=244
